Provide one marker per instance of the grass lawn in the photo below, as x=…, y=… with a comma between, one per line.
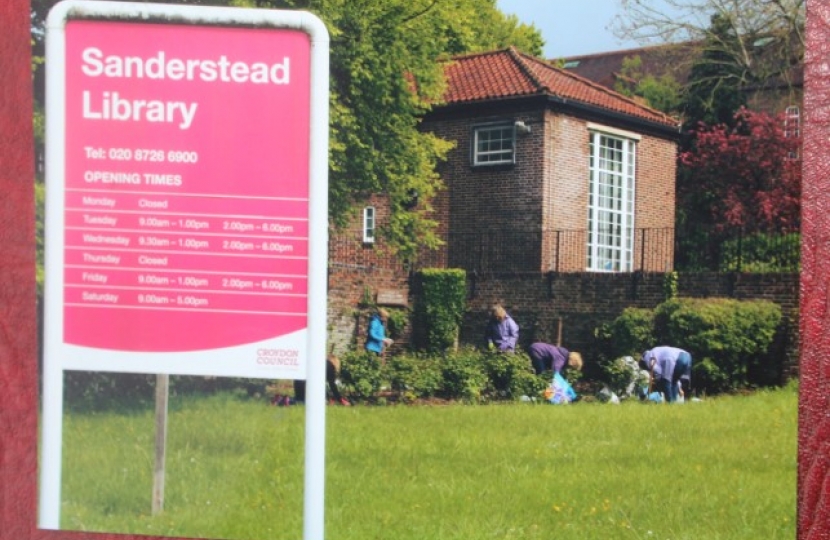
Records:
x=723, y=468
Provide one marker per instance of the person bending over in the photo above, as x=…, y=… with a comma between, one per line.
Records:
x=547, y=357
x=670, y=371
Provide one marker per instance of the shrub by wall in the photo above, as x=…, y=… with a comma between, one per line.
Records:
x=441, y=306
x=466, y=375
x=414, y=375
x=628, y=335
x=730, y=340
x=463, y=376
x=360, y=374
x=511, y=375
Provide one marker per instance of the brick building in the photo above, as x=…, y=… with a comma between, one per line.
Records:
x=551, y=171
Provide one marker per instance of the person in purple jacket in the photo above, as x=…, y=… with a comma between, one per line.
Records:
x=670, y=369
x=502, y=332
x=547, y=357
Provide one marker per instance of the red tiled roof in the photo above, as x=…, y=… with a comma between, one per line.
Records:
x=509, y=73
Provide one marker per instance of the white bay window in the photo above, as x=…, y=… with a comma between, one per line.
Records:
x=611, y=200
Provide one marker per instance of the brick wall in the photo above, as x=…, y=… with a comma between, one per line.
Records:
x=347, y=246
x=347, y=314
x=583, y=301
x=541, y=302
x=357, y=271
x=481, y=202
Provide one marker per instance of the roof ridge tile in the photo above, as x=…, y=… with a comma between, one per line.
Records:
x=520, y=59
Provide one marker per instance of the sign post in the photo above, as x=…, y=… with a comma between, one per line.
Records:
x=162, y=398
x=187, y=208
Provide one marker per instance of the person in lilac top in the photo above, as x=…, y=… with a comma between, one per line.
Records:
x=670, y=369
x=502, y=332
x=547, y=357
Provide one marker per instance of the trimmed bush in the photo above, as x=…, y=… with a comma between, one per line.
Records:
x=511, y=376
x=441, y=307
x=414, y=376
x=628, y=335
x=463, y=376
x=727, y=338
x=467, y=375
x=360, y=374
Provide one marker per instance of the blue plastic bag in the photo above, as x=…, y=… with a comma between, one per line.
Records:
x=561, y=390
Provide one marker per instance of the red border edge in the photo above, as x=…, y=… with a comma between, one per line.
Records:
x=18, y=320
x=814, y=391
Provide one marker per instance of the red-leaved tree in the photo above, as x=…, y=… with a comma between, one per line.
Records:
x=747, y=176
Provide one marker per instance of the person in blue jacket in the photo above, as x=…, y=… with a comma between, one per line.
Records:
x=502, y=332
x=376, y=340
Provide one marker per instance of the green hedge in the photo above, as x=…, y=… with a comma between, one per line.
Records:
x=511, y=376
x=466, y=375
x=628, y=335
x=441, y=306
x=731, y=341
x=760, y=253
x=360, y=374
x=728, y=338
x=463, y=376
x=414, y=375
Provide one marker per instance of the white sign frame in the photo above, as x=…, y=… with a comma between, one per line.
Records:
x=312, y=342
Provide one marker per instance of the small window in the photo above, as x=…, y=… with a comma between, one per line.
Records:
x=369, y=225
x=792, y=122
x=792, y=126
x=570, y=64
x=494, y=144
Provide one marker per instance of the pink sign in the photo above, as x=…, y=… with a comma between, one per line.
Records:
x=187, y=185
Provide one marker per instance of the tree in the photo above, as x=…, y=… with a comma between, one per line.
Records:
x=753, y=42
x=672, y=21
x=661, y=93
x=714, y=93
x=385, y=75
x=746, y=176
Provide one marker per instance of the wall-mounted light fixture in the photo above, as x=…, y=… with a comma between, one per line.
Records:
x=521, y=127
x=411, y=201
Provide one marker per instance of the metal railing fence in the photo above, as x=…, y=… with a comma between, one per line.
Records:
x=651, y=250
